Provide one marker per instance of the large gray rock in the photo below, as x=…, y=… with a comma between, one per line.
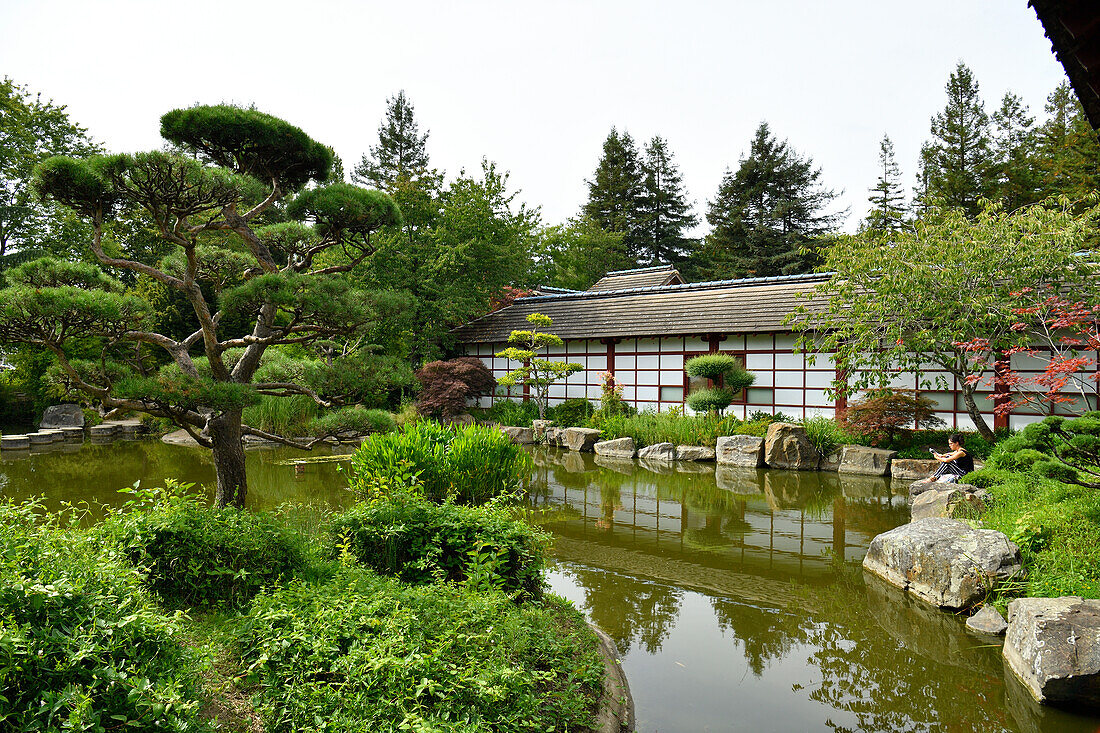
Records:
x=864, y=461
x=987, y=621
x=580, y=439
x=658, y=452
x=746, y=451
x=919, y=487
x=540, y=426
x=694, y=453
x=1053, y=646
x=786, y=446
x=831, y=462
x=62, y=416
x=617, y=448
x=943, y=561
x=519, y=436
x=553, y=436
x=45, y=437
x=951, y=501
x=911, y=469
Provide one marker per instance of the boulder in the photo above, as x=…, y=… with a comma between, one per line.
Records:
x=580, y=439
x=911, y=469
x=14, y=442
x=786, y=446
x=694, y=453
x=951, y=501
x=864, y=461
x=1053, y=646
x=987, y=621
x=746, y=451
x=945, y=562
x=831, y=462
x=62, y=416
x=520, y=436
x=917, y=487
x=552, y=435
x=658, y=452
x=617, y=448
x=540, y=426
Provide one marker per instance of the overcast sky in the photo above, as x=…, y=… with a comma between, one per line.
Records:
x=536, y=86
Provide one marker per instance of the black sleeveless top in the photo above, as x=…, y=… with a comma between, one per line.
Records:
x=965, y=461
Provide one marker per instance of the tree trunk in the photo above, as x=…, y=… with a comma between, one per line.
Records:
x=225, y=434
x=975, y=413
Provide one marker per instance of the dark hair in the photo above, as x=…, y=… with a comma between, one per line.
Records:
x=955, y=438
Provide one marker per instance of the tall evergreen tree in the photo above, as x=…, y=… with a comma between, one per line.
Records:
x=888, y=209
x=767, y=213
x=1069, y=149
x=616, y=191
x=401, y=152
x=665, y=213
x=1018, y=177
x=957, y=163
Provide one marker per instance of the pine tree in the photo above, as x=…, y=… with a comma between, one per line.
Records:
x=888, y=209
x=767, y=213
x=1069, y=149
x=957, y=163
x=616, y=191
x=1018, y=178
x=401, y=152
x=665, y=212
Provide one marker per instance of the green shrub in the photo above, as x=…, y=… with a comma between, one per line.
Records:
x=197, y=555
x=710, y=400
x=1060, y=448
x=468, y=464
x=766, y=417
x=363, y=653
x=352, y=421
x=572, y=413
x=419, y=542
x=82, y=646
x=510, y=412
x=711, y=366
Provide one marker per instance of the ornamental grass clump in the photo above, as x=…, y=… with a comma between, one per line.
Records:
x=83, y=647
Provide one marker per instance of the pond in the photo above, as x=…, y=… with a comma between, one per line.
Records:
x=735, y=597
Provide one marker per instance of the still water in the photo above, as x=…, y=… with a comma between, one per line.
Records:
x=725, y=592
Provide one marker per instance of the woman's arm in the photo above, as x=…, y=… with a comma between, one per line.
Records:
x=948, y=457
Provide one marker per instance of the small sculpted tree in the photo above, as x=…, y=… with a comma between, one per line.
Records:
x=445, y=386
x=725, y=373
x=207, y=205
x=536, y=373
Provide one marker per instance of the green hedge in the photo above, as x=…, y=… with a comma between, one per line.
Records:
x=419, y=542
x=363, y=653
x=82, y=646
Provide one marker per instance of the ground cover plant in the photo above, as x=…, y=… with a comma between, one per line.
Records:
x=365, y=653
x=83, y=647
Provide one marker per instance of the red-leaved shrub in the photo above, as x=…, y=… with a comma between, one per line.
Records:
x=884, y=414
x=445, y=386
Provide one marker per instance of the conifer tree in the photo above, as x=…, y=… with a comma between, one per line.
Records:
x=1018, y=178
x=767, y=213
x=1069, y=149
x=665, y=210
x=888, y=210
x=957, y=163
x=616, y=191
x=401, y=151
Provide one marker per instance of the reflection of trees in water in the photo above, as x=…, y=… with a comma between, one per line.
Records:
x=764, y=633
x=632, y=611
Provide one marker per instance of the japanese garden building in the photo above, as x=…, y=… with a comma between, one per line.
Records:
x=641, y=325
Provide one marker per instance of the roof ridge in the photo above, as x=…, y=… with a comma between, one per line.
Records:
x=803, y=277
x=654, y=268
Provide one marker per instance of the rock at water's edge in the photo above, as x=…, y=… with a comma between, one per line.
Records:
x=746, y=451
x=787, y=446
x=864, y=461
x=580, y=439
x=519, y=436
x=62, y=416
x=694, y=453
x=617, y=448
x=911, y=469
x=987, y=621
x=1053, y=646
x=658, y=452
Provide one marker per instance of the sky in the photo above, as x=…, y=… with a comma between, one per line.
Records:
x=536, y=87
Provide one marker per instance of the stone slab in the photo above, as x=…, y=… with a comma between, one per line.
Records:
x=617, y=448
x=694, y=453
x=658, y=452
x=746, y=451
x=987, y=621
x=911, y=469
x=864, y=461
x=1053, y=646
x=14, y=442
x=519, y=436
x=580, y=439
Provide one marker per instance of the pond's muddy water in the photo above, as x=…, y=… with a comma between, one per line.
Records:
x=735, y=596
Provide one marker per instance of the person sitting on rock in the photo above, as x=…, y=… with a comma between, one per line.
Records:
x=954, y=464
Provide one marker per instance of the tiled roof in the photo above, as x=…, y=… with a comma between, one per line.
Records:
x=751, y=305
x=643, y=277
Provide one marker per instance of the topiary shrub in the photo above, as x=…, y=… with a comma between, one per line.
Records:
x=82, y=645
x=446, y=386
x=419, y=541
x=198, y=555
x=725, y=372
x=710, y=400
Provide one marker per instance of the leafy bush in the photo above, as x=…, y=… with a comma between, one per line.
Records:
x=767, y=417
x=572, y=413
x=710, y=400
x=612, y=403
x=884, y=414
x=1066, y=450
x=420, y=542
x=363, y=653
x=198, y=555
x=82, y=646
x=825, y=434
x=468, y=464
x=445, y=386
x=352, y=421
x=510, y=412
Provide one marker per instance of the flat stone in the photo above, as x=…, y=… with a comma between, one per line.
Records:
x=918, y=487
x=60, y=416
x=552, y=436
x=746, y=451
x=177, y=437
x=987, y=621
x=72, y=433
x=911, y=469
x=43, y=437
x=520, y=436
x=103, y=430
x=1053, y=646
x=786, y=446
x=14, y=442
x=658, y=452
x=694, y=453
x=617, y=448
x=864, y=461
x=952, y=501
x=945, y=562
x=580, y=439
